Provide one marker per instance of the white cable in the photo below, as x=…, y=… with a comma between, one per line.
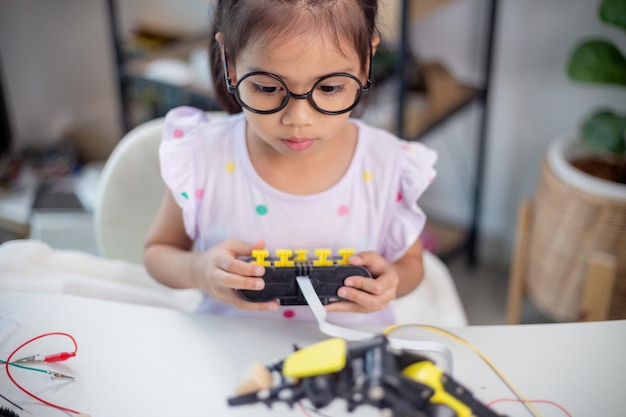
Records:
x=304, y=282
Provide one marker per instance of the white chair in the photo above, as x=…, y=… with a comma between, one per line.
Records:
x=131, y=190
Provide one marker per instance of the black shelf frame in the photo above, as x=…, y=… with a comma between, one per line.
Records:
x=470, y=245
x=5, y=125
x=119, y=61
x=129, y=82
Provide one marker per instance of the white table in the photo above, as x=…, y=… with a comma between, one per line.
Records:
x=146, y=361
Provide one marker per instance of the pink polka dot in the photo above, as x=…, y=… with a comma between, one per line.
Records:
x=200, y=193
x=431, y=179
x=343, y=210
x=178, y=133
x=399, y=197
x=289, y=314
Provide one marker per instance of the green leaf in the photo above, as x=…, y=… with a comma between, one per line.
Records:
x=597, y=61
x=605, y=131
x=613, y=12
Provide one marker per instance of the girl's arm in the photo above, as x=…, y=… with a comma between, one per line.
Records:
x=410, y=269
x=169, y=258
x=167, y=249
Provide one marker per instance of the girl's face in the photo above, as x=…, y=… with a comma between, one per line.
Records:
x=299, y=129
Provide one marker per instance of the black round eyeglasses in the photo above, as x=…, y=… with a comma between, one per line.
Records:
x=266, y=93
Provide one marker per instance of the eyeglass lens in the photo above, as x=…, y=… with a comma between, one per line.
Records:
x=264, y=92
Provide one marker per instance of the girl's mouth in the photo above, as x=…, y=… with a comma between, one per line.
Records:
x=298, y=144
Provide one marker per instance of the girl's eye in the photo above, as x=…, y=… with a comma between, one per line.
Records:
x=267, y=89
x=331, y=89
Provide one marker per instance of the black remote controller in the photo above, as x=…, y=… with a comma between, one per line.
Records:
x=281, y=284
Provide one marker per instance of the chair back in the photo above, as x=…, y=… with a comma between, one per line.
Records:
x=129, y=194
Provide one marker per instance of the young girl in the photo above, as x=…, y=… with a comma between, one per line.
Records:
x=289, y=169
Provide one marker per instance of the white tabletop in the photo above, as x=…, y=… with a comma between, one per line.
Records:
x=146, y=361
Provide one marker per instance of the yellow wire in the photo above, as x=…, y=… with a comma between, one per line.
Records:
x=529, y=405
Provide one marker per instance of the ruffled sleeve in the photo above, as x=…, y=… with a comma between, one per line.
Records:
x=417, y=172
x=179, y=169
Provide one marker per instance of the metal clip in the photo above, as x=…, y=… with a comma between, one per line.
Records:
x=29, y=359
x=57, y=375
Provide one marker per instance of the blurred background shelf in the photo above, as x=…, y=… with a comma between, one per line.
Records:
x=443, y=97
x=154, y=79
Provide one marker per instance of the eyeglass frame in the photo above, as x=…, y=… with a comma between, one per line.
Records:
x=234, y=89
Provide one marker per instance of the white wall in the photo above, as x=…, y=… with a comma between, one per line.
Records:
x=531, y=102
x=58, y=71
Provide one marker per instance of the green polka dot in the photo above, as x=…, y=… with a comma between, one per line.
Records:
x=185, y=195
x=261, y=210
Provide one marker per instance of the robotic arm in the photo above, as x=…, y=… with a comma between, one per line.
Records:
x=366, y=372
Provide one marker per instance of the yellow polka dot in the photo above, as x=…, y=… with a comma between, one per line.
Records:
x=230, y=167
x=367, y=176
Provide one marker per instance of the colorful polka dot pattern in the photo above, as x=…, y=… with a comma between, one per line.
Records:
x=263, y=210
x=343, y=210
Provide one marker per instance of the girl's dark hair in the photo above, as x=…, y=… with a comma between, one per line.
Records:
x=244, y=20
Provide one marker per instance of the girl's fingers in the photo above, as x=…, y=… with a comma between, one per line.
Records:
x=236, y=266
x=235, y=299
x=371, y=285
x=237, y=282
x=266, y=306
x=375, y=263
x=239, y=247
x=239, y=267
x=343, y=307
x=361, y=301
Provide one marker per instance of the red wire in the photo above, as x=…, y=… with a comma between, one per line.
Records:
x=8, y=371
x=557, y=405
x=303, y=409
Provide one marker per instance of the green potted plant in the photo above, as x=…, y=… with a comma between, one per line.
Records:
x=598, y=60
x=579, y=209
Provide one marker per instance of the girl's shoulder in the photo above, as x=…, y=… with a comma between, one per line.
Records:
x=384, y=145
x=193, y=142
x=183, y=124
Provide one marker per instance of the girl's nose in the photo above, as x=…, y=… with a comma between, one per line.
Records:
x=298, y=112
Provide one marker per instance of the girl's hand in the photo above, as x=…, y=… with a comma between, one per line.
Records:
x=366, y=294
x=219, y=273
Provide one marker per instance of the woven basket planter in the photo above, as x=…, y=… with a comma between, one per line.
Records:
x=575, y=216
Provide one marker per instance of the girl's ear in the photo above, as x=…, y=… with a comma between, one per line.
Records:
x=219, y=37
x=375, y=43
